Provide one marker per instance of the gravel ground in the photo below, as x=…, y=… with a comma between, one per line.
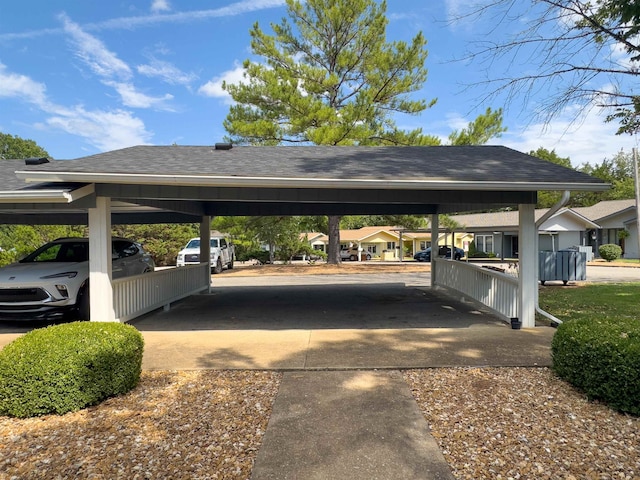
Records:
x=178, y=425
x=491, y=423
x=524, y=423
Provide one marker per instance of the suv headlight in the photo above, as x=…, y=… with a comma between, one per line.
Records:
x=62, y=275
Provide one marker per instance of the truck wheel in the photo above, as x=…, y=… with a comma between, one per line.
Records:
x=230, y=266
x=352, y=258
x=218, y=268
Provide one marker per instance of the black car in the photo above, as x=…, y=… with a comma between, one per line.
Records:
x=443, y=252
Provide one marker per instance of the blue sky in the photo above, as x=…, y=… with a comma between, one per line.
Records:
x=83, y=77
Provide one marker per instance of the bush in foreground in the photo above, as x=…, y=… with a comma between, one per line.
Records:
x=610, y=252
x=64, y=368
x=602, y=358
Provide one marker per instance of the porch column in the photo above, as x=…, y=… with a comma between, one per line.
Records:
x=527, y=280
x=435, y=229
x=100, y=257
x=205, y=244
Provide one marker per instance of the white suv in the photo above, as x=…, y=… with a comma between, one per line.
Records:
x=53, y=282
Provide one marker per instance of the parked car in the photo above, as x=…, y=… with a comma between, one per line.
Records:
x=443, y=251
x=222, y=254
x=352, y=254
x=53, y=282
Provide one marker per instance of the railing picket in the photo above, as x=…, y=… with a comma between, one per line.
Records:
x=135, y=296
x=497, y=291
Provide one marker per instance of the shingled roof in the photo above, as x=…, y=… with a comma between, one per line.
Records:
x=472, y=164
x=310, y=180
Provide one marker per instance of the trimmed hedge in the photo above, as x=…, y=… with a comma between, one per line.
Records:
x=64, y=368
x=601, y=358
x=610, y=252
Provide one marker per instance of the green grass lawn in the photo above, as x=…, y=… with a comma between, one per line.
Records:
x=615, y=300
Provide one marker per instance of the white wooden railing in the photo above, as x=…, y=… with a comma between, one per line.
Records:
x=135, y=296
x=495, y=290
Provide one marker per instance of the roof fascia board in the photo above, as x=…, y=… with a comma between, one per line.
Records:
x=46, y=195
x=279, y=182
x=34, y=196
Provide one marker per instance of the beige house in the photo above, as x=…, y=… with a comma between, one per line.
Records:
x=383, y=242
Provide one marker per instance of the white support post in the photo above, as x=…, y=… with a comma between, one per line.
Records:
x=528, y=257
x=101, y=296
x=435, y=230
x=205, y=243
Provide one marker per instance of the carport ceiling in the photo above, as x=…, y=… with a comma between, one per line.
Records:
x=182, y=183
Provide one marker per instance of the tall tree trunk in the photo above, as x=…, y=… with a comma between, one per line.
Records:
x=333, y=252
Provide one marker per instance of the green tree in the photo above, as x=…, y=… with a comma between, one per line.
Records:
x=329, y=77
x=281, y=234
x=481, y=130
x=162, y=241
x=618, y=171
x=16, y=147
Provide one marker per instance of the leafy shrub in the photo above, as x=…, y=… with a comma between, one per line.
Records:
x=602, y=358
x=610, y=252
x=262, y=256
x=64, y=368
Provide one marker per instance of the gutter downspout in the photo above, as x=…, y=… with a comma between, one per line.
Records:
x=552, y=211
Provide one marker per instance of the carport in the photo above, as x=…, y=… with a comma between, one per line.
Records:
x=159, y=184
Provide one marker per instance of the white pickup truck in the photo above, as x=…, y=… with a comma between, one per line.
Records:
x=222, y=254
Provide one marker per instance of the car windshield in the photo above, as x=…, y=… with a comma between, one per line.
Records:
x=59, y=252
x=195, y=243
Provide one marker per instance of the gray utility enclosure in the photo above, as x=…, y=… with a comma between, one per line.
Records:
x=567, y=265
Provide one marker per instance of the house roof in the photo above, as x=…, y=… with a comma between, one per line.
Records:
x=509, y=220
x=607, y=208
x=363, y=233
x=192, y=181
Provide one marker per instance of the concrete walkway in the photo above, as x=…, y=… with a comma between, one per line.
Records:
x=356, y=425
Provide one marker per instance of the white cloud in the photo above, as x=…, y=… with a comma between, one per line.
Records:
x=112, y=71
x=589, y=140
x=160, y=6
x=14, y=85
x=94, y=54
x=213, y=88
x=167, y=72
x=105, y=130
x=238, y=8
x=132, y=98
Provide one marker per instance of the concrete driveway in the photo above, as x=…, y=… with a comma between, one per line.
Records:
x=333, y=322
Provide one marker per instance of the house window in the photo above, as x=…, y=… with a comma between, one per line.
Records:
x=391, y=245
x=484, y=243
x=424, y=244
x=372, y=249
